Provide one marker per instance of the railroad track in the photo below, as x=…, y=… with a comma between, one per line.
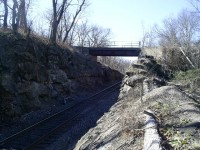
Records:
x=44, y=132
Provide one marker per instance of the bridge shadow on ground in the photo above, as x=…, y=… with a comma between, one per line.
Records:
x=88, y=119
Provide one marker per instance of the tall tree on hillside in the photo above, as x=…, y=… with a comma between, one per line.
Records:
x=57, y=16
x=74, y=19
x=15, y=19
x=22, y=15
x=5, y=24
x=19, y=14
x=64, y=19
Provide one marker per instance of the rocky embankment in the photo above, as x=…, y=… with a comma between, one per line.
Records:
x=35, y=74
x=146, y=86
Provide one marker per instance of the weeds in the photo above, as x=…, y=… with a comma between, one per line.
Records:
x=177, y=139
x=188, y=75
x=184, y=121
x=174, y=138
x=190, y=78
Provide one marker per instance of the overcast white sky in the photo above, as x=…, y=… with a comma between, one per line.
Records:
x=126, y=18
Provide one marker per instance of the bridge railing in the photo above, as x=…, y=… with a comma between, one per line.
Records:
x=124, y=44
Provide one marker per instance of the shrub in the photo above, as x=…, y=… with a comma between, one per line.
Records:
x=174, y=60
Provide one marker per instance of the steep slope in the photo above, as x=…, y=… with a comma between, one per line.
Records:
x=35, y=74
x=145, y=87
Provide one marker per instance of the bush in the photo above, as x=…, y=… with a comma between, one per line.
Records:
x=191, y=78
x=174, y=60
x=188, y=75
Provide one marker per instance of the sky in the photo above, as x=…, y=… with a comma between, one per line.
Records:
x=127, y=19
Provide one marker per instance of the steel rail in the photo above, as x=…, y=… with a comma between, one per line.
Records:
x=65, y=123
x=18, y=134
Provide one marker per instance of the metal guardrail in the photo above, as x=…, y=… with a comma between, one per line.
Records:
x=121, y=44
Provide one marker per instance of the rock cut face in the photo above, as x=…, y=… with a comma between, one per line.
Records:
x=34, y=75
x=144, y=88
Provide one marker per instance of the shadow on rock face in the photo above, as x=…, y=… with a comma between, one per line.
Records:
x=35, y=75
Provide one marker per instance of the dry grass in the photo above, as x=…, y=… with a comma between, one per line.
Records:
x=132, y=118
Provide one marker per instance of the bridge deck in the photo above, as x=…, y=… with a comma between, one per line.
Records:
x=114, y=51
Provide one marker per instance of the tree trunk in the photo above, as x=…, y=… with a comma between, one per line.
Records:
x=54, y=22
x=14, y=17
x=54, y=32
x=5, y=24
x=22, y=16
x=56, y=19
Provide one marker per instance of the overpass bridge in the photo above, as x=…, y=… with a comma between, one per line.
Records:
x=113, y=48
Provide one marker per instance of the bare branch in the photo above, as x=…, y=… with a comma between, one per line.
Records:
x=74, y=20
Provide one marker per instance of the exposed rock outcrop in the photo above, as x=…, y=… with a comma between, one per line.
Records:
x=34, y=74
x=123, y=126
x=146, y=73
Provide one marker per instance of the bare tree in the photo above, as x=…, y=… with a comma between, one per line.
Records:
x=66, y=30
x=57, y=16
x=22, y=15
x=181, y=31
x=5, y=24
x=98, y=36
x=92, y=35
x=15, y=20
x=82, y=31
x=71, y=14
x=19, y=14
x=195, y=52
x=148, y=39
x=74, y=19
x=195, y=4
x=168, y=34
x=188, y=26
